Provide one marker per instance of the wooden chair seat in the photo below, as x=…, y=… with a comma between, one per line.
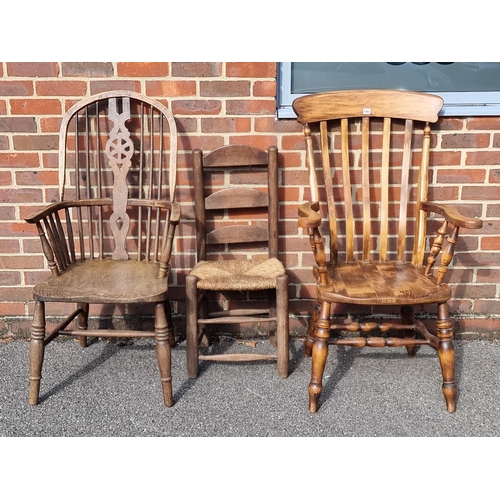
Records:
x=251, y=274
x=105, y=282
x=382, y=283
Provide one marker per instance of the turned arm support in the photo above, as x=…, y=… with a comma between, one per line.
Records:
x=454, y=219
x=310, y=219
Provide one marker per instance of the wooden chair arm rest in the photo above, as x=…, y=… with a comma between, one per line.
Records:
x=55, y=207
x=309, y=216
x=452, y=215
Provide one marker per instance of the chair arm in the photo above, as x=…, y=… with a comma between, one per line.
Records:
x=309, y=217
x=452, y=215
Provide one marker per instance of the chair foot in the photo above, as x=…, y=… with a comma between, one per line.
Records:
x=314, y=394
x=450, y=394
x=411, y=350
x=36, y=352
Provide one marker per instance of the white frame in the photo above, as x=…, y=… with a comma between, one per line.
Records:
x=455, y=103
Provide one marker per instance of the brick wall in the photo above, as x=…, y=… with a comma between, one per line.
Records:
x=215, y=104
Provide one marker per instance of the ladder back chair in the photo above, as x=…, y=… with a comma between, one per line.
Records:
x=374, y=148
x=109, y=238
x=236, y=214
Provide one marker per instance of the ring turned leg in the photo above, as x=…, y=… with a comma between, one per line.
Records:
x=310, y=334
x=36, y=352
x=163, y=353
x=83, y=323
x=446, y=352
x=170, y=324
x=407, y=318
x=319, y=355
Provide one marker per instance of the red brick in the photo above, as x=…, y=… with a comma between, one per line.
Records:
x=496, y=140
x=32, y=69
x=490, y=243
x=37, y=178
x=251, y=107
x=456, y=141
x=88, y=69
x=251, y=69
x=3, y=107
x=16, y=88
x=18, y=124
x=9, y=278
x=171, y=88
x=483, y=123
x=98, y=86
x=481, y=193
x=11, y=308
x=21, y=262
x=264, y=89
x=35, y=107
x=7, y=213
x=138, y=69
x=4, y=143
x=61, y=88
x=204, y=142
x=461, y=176
x=35, y=142
x=50, y=124
x=448, y=123
x=5, y=178
x=482, y=158
x=225, y=125
x=12, y=160
x=258, y=141
x=445, y=158
x=269, y=124
x=202, y=107
x=225, y=88
x=196, y=69
x=50, y=160
x=21, y=195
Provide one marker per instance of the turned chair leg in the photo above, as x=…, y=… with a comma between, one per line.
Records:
x=310, y=333
x=407, y=318
x=192, y=326
x=170, y=324
x=282, y=326
x=163, y=352
x=319, y=355
x=36, y=351
x=446, y=352
x=83, y=323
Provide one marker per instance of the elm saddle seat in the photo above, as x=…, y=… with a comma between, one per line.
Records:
x=238, y=279
x=374, y=147
x=109, y=240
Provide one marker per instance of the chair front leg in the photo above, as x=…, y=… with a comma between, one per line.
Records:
x=319, y=355
x=163, y=352
x=83, y=323
x=311, y=338
x=36, y=352
x=446, y=352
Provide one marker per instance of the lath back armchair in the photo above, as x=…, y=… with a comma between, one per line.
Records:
x=373, y=252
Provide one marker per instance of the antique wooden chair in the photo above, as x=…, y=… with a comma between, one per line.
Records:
x=236, y=213
x=109, y=238
x=374, y=147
